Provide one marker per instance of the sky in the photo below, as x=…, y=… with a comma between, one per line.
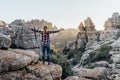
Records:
x=62, y=13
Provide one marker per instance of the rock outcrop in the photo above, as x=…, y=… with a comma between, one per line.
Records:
x=115, y=51
x=89, y=25
x=94, y=74
x=101, y=58
x=108, y=35
x=41, y=23
x=112, y=23
x=15, y=59
x=5, y=41
x=99, y=69
x=100, y=64
x=76, y=78
x=86, y=33
x=23, y=37
x=16, y=64
x=3, y=24
x=115, y=57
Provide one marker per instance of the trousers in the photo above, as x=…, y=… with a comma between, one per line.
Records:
x=46, y=49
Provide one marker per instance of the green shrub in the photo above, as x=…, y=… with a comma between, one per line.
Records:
x=98, y=55
x=75, y=52
x=54, y=59
x=67, y=71
x=103, y=53
x=70, y=54
x=66, y=50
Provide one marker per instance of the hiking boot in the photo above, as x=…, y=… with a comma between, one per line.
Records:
x=40, y=59
x=49, y=63
x=43, y=62
x=43, y=59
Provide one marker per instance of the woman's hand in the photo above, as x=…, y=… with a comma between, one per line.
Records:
x=62, y=29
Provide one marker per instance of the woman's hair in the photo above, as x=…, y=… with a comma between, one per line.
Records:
x=45, y=27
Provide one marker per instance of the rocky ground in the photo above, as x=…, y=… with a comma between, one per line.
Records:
x=16, y=64
x=20, y=50
x=102, y=69
x=19, y=54
x=101, y=58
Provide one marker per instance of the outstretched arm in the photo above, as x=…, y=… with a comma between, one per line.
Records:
x=56, y=31
x=36, y=30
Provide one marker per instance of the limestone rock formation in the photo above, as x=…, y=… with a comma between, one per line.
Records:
x=93, y=45
x=108, y=24
x=72, y=78
x=4, y=28
x=23, y=37
x=89, y=25
x=94, y=74
x=16, y=64
x=100, y=68
x=5, y=41
x=112, y=22
x=81, y=27
x=46, y=72
x=41, y=23
x=100, y=64
x=115, y=51
x=86, y=33
x=90, y=29
x=76, y=78
x=3, y=24
x=108, y=35
x=14, y=59
x=80, y=42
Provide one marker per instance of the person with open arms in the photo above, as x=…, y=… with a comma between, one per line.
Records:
x=45, y=34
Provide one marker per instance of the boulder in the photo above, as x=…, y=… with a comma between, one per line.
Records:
x=5, y=41
x=100, y=64
x=73, y=78
x=93, y=74
x=115, y=58
x=14, y=59
x=46, y=72
x=117, y=66
x=16, y=64
x=35, y=72
x=76, y=78
x=115, y=71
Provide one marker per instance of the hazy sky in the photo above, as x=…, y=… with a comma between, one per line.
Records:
x=62, y=13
